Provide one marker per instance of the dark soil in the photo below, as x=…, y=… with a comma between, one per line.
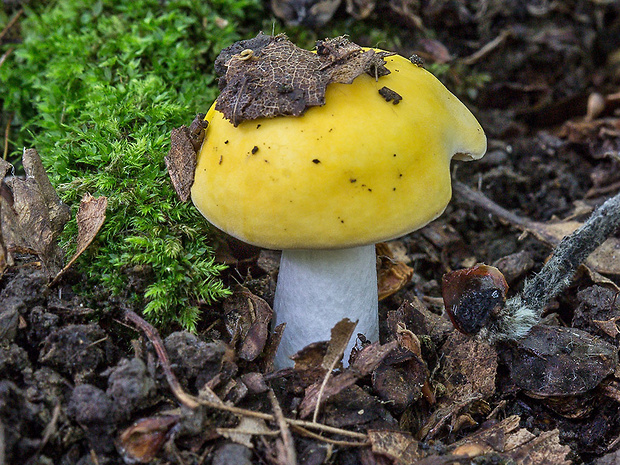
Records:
x=84, y=382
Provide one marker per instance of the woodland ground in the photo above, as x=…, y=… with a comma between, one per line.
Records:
x=83, y=380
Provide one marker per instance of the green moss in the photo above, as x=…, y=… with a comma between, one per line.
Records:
x=96, y=88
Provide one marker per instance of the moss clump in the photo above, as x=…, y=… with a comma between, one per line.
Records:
x=96, y=87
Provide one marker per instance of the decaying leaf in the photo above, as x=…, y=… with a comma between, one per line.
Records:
x=393, y=274
x=469, y=367
x=366, y=361
x=142, y=441
x=36, y=216
x=247, y=321
x=399, y=379
x=90, y=217
x=269, y=76
x=557, y=361
x=181, y=159
x=340, y=335
x=247, y=428
x=512, y=444
x=399, y=446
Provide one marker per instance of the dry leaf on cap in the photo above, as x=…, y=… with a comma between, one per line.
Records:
x=90, y=217
x=36, y=216
x=269, y=76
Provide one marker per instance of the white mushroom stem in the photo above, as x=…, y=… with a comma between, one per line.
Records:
x=318, y=288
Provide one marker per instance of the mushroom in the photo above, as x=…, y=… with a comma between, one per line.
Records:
x=369, y=165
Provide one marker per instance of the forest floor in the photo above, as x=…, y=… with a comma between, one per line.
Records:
x=546, y=88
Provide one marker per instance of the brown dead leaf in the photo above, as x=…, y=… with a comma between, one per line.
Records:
x=90, y=218
x=181, y=159
x=269, y=76
x=247, y=321
x=469, y=367
x=36, y=216
x=399, y=446
x=247, y=428
x=399, y=379
x=557, y=361
x=392, y=275
x=142, y=441
x=340, y=335
x=367, y=360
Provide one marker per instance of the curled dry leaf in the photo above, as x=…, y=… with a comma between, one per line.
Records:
x=142, y=441
x=393, y=274
x=247, y=320
x=181, y=159
x=269, y=76
x=36, y=216
x=366, y=361
x=90, y=217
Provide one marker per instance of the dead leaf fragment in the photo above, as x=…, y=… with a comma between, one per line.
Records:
x=36, y=216
x=247, y=321
x=269, y=76
x=557, y=361
x=340, y=335
x=469, y=368
x=399, y=446
x=90, y=217
x=393, y=274
x=366, y=361
x=142, y=441
x=181, y=159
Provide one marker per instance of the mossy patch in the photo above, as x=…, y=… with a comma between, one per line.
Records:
x=96, y=88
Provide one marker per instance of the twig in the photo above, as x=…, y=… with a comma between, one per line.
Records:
x=11, y=23
x=487, y=48
x=285, y=432
x=303, y=431
x=6, y=134
x=151, y=333
x=193, y=402
x=5, y=55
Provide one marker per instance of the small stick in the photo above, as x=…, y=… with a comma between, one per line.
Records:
x=303, y=431
x=11, y=23
x=285, y=432
x=6, y=136
x=158, y=345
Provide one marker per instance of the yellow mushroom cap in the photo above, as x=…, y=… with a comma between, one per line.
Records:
x=357, y=170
